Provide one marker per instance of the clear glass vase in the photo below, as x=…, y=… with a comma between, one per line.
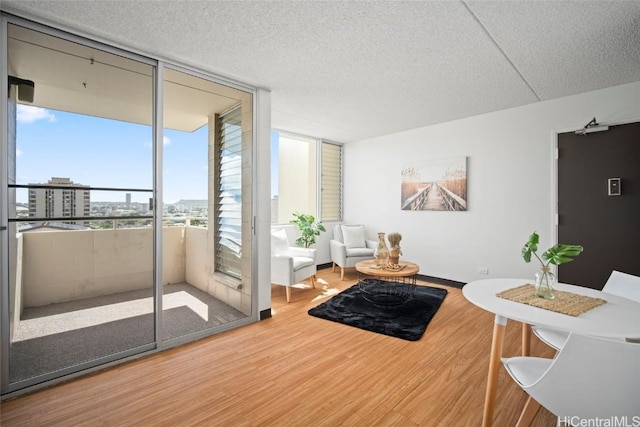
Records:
x=381, y=253
x=545, y=285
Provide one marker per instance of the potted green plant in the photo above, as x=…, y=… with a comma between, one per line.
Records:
x=556, y=255
x=309, y=229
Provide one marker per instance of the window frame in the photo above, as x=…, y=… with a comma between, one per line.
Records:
x=221, y=266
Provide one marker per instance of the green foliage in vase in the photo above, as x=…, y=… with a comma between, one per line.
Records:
x=556, y=254
x=309, y=229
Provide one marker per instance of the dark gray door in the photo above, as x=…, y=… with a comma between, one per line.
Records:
x=607, y=226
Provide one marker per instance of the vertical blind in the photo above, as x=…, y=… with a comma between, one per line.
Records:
x=229, y=194
x=331, y=182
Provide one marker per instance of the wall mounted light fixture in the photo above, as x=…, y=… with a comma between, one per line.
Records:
x=26, y=88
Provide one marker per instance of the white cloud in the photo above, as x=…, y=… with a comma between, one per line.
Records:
x=19, y=152
x=28, y=114
x=165, y=141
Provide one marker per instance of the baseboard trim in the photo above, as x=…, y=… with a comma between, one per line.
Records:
x=435, y=280
x=440, y=281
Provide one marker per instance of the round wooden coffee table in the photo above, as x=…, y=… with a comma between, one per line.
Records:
x=406, y=273
x=387, y=287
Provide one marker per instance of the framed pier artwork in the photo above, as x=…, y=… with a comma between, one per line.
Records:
x=435, y=185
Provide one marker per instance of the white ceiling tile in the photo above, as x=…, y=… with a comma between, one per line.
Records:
x=352, y=70
x=564, y=48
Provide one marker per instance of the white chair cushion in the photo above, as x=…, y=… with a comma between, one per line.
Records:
x=551, y=337
x=301, y=262
x=279, y=241
x=353, y=236
x=359, y=252
x=624, y=285
x=526, y=370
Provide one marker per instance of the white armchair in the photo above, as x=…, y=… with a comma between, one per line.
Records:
x=290, y=264
x=349, y=246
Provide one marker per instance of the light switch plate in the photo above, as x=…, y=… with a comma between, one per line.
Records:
x=614, y=187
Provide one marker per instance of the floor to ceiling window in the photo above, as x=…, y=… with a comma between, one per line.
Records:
x=201, y=120
x=110, y=240
x=306, y=177
x=81, y=231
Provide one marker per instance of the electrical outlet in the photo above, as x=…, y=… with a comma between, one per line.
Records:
x=483, y=270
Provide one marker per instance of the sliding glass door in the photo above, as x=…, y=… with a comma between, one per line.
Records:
x=126, y=206
x=79, y=184
x=203, y=285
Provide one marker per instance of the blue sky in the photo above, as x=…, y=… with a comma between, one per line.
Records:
x=107, y=153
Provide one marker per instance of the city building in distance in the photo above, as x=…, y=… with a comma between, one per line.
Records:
x=59, y=202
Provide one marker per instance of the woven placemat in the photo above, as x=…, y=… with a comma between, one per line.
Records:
x=564, y=302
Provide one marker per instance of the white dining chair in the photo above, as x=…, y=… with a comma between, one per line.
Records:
x=621, y=284
x=591, y=377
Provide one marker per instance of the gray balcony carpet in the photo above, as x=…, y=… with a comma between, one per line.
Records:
x=56, y=336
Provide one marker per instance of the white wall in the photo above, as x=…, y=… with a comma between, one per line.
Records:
x=297, y=182
x=199, y=270
x=511, y=182
x=61, y=266
x=68, y=265
x=262, y=258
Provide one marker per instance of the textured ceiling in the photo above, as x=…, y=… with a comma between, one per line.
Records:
x=347, y=71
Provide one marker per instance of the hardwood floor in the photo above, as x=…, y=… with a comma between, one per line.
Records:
x=297, y=370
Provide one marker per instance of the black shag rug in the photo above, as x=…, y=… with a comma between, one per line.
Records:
x=407, y=321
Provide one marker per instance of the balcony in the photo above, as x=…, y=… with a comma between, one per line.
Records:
x=83, y=294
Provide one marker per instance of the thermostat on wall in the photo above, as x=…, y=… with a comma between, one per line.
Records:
x=614, y=187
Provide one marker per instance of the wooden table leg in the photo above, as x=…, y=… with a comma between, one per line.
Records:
x=531, y=406
x=526, y=339
x=528, y=413
x=494, y=365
